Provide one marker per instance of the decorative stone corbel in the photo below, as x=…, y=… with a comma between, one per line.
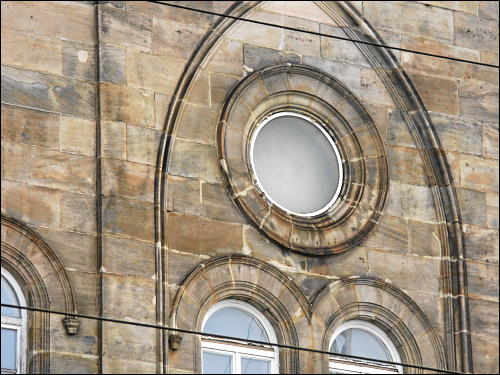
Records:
x=174, y=341
x=71, y=324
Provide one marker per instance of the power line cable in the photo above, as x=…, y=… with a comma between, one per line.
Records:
x=215, y=336
x=324, y=35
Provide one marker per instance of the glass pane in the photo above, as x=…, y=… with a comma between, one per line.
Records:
x=296, y=164
x=362, y=343
x=9, y=348
x=217, y=363
x=230, y=321
x=255, y=366
x=9, y=297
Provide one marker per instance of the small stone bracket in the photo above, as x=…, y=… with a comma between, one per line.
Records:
x=174, y=341
x=72, y=325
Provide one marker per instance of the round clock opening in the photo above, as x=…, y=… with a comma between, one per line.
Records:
x=296, y=163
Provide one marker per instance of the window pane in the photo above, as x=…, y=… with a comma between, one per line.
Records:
x=217, y=363
x=360, y=342
x=9, y=297
x=9, y=348
x=296, y=164
x=230, y=321
x=255, y=366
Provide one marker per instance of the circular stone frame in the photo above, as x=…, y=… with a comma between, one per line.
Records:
x=307, y=92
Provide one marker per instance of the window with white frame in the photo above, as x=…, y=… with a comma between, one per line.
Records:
x=13, y=326
x=238, y=319
x=362, y=339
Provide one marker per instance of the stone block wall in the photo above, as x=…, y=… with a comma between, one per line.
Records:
x=85, y=96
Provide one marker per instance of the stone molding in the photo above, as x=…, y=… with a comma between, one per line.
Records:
x=45, y=284
x=308, y=91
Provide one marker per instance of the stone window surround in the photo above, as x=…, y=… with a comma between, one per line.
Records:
x=308, y=92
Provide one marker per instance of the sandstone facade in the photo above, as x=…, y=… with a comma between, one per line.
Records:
x=111, y=165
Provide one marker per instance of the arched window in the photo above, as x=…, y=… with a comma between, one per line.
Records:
x=238, y=319
x=13, y=327
x=362, y=339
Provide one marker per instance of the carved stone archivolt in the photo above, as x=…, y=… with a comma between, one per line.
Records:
x=310, y=92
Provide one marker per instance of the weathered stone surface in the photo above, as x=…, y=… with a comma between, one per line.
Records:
x=492, y=210
x=119, y=290
x=128, y=29
x=481, y=244
x=31, y=204
x=472, y=206
x=113, y=64
x=350, y=263
x=15, y=161
x=114, y=365
x=142, y=145
x=78, y=135
x=183, y=195
x=227, y=59
x=62, y=171
x=488, y=9
x=175, y=39
x=199, y=93
x=260, y=247
x=458, y=135
x=84, y=344
x=220, y=86
x=203, y=236
x=490, y=140
x=67, y=20
x=130, y=343
x=423, y=239
x=406, y=165
x=47, y=92
x=372, y=89
x=438, y=94
x=198, y=124
x=478, y=101
x=124, y=104
x=113, y=139
x=340, y=50
x=302, y=43
x=184, y=264
x=259, y=34
x=484, y=317
x=256, y=57
x=478, y=173
x=390, y=233
x=476, y=32
x=152, y=72
x=349, y=75
x=129, y=218
x=78, y=60
x=410, y=201
x=23, y=125
x=127, y=180
x=461, y=6
x=482, y=279
x=192, y=159
x=128, y=257
x=30, y=50
x=65, y=363
x=485, y=348
x=162, y=102
x=78, y=212
x=216, y=204
x=434, y=23
x=304, y=9
x=399, y=133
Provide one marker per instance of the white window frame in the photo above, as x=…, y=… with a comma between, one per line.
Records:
x=17, y=324
x=238, y=349
x=343, y=365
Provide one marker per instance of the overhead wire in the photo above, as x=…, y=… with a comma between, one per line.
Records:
x=224, y=337
x=323, y=34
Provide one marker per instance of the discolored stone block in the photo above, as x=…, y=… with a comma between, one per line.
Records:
x=478, y=101
x=181, y=264
x=216, y=204
x=438, y=94
x=203, y=236
x=350, y=263
x=175, y=39
x=192, y=159
x=424, y=239
x=127, y=29
x=340, y=50
x=484, y=317
x=129, y=218
x=259, y=57
x=15, y=161
x=481, y=244
x=259, y=34
x=482, y=279
x=152, y=72
x=461, y=6
x=78, y=135
x=390, y=233
x=127, y=180
x=472, y=206
x=162, y=102
x=475, y=32
x=31, y=50
x=227, y=59
x=406, y=165
x=66, y=363
x=142, y=145
x=199, y=92
x=492, y=210
x=183, y=195
x=130, y=343
x=113, y=64
x=78, y=212
x=198, y=124
x=128, y=257
x=124, y=104
x=47, y=92
x=490, y=140
x=220, y=86
x=113, y=139
x=299, y=42
x=486, y=348
x=78, y=60
x=488, y=9
x=62, y=171
x=410, y=201
x=117, y=365
x=349, y=75
x=479, y=173
x=399, y=132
